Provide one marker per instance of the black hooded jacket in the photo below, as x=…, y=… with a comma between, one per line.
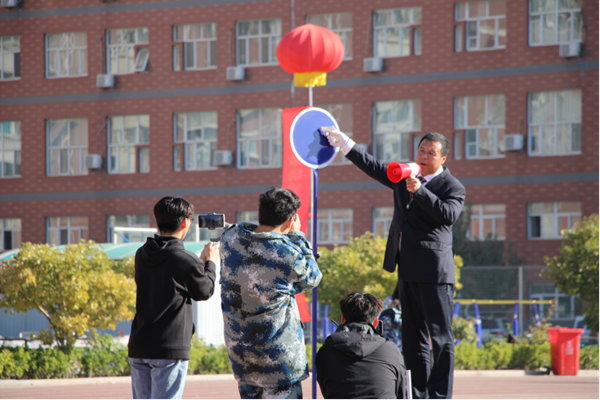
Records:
x=168, y=277
x=356, y=362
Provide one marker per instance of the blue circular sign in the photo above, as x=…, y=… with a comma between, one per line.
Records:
x=309, y=145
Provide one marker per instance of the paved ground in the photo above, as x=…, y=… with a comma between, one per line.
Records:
x=467, y=385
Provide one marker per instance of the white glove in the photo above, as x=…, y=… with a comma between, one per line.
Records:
x=335, y=137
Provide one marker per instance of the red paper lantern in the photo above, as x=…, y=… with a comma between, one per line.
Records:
x=309, y=52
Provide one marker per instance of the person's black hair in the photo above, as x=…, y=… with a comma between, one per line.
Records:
x=361, y=307
x=170, y=213
x=276, y=206
x=437, y=137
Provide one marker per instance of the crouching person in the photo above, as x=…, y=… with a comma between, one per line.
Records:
x=263, y=267
x=356, y=361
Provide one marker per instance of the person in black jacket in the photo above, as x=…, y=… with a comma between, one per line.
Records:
x=168, y=278
x=420, y=243
x=356, y=361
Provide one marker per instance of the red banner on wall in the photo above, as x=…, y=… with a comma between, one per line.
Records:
x=296, y=177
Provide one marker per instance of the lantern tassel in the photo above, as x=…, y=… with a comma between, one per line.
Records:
x=307, y=79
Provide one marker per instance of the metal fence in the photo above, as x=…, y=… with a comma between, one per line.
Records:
x=517, y=283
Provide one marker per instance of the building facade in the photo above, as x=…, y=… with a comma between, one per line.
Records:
x=475, y=71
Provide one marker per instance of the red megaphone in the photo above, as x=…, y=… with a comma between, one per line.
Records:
x=396, y=172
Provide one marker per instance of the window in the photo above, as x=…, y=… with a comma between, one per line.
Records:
x=393, y=122
x=131, y=221
x=128, y=135
x=340, y=24
x=482, y=118
x=66, y=55
x=488, y=221
x=197, y=234
x=416, y=141
x=485, y=25
x=334, y=225
x=457, y=145
x=198, y=132
x=555, y=21
x=66, y=230
x=247, y=216
x=10, y=233
x=257, y=42
x=125, y=52
x=393, y=36
x=10, y=149
x=547, y=220
x=259, y=138
x=67, y=146
x=10, y=58
x=382, y=219
x=199, y=46
x=342, y=113
x=555, y=123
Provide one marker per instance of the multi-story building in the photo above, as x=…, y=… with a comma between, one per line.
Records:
x=512, y=83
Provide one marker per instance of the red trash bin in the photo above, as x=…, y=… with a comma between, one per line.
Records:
x=564, y=349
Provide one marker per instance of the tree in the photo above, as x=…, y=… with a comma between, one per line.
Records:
x=575, y=268
x=77, y=289
x=357, y=266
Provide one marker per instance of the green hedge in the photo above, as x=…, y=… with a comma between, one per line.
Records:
x=103, y=357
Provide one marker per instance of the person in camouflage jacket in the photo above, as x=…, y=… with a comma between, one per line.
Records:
x=262, y=268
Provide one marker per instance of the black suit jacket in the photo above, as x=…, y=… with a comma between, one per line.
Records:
x=426, y=253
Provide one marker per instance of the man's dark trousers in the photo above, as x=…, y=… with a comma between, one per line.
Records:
x=427, y=307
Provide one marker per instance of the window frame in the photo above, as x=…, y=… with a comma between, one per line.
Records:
x=4, y=151
x=466, y=21
x=82, y=149
x=81, y=52
x=555, y=216
x=186, y=144
x=342, y=33
x=412, y=25
x=273, y=40
x=274, y=161
x=329, y=220
x=555, y=123
x=481, y=218
x=404, y=136
x=130, y=224
x=133, y=149
x=182, y=52
x=3, y=230
x=16, y=56
x=498, y=151
x=385, y=220
x=540, y=15
x=70, y=229
x=132, y=50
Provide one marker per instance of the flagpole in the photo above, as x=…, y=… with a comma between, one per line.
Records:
x=315, y=309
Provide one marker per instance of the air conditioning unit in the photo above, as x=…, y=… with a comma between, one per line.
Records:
x=235, y=74
x=513, y=142
x=223, y=158
x=93, y=161
x=363, y=146
x=374, y=64
x=567, y=50
x=10, y=3
x=105, y=81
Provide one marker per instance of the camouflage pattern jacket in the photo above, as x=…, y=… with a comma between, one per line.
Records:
x=260, y=274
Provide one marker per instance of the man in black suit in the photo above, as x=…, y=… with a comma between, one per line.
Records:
x=420, y=242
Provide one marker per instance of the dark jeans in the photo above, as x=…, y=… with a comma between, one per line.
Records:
x=427, y=312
